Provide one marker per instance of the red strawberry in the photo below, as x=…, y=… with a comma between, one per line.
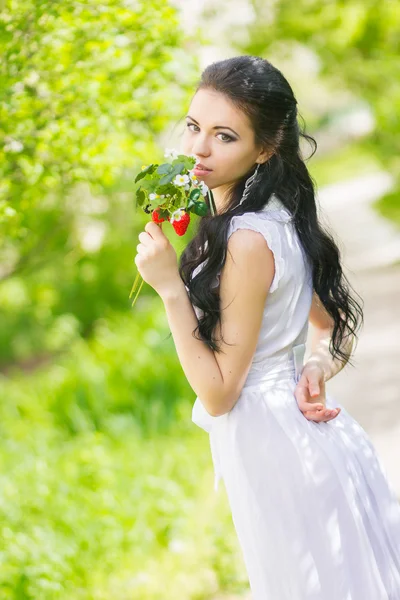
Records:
x=156, y=217
x=180, y=221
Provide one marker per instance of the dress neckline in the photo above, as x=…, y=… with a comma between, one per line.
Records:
x=274, y=203
x=276, y=209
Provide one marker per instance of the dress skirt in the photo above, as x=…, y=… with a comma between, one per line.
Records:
x=314, y=512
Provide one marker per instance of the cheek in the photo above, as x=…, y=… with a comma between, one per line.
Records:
x=233, y=160
x=244, y=160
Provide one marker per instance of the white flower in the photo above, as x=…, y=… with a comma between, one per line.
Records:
x=193, y=177
x=171, y=153
x=181, y=180
x=177, y=214
x=14, y=146
x=203, y=187
x=154, y=196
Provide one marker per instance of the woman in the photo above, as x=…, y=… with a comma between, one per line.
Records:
x=314, y=513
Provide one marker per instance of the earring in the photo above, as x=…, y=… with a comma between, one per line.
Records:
x=211, y=202
x=248, y=185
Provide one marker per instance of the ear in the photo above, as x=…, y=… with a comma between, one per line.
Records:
x=264, y=156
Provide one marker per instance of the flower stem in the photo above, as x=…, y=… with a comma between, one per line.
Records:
x=138, y=292
x=135, y=283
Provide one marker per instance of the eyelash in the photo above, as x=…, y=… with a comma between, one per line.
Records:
x=230, y=139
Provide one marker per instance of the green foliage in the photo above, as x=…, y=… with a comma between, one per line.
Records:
x=128, y=371
x=147, y=170
x=94, y=518
x=354, y=159
x=106, y=485
x=159, y=190
x=357, y=46
x=86, y=88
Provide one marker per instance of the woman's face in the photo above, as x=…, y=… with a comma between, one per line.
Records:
x=222, y=139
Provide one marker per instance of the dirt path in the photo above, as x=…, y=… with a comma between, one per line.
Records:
x=371, y=254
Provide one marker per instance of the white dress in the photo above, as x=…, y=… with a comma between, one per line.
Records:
x=315, y=515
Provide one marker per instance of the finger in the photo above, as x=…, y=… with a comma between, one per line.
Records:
x=316, y=417
x=154, y=229
x=307, y=405
x=304, y=399
x=322, y=417
x=145, y=238
x=314, y=390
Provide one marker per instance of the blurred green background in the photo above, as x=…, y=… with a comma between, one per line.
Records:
x=106, y=485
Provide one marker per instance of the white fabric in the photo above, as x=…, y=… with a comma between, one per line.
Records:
x=315, y=515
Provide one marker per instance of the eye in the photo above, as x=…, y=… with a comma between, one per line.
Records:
x=190, y=124
x=228, y=138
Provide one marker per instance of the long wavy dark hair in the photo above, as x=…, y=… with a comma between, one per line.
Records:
x=260, y=90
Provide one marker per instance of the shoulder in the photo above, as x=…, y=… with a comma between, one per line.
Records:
x=249, y=266
x=257, y=236
x=248, y=245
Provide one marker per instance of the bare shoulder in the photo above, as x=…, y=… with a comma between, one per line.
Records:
x=250, y=258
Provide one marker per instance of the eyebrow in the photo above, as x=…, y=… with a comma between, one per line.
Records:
x=216, y=127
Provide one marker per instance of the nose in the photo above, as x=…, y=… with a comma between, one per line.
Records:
x=200, y=146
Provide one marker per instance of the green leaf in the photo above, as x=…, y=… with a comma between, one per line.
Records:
x=187, y=161
x=167, y=178
x=147, y=171
x=195, y=194
x=200, y=208
x=178, y=167
x=140, y=196
x=164, y=169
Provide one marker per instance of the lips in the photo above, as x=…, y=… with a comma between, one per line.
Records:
x=202, y=167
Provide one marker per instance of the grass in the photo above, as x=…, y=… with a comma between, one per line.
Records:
x=99, y=501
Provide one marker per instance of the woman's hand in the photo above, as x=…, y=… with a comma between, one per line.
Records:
x=310, y=394
x=156, y=259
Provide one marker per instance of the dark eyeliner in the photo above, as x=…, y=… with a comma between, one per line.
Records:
x=231, y=139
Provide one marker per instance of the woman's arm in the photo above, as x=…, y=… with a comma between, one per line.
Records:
x=320, y=355
x=196, y=358
x=218, y=378
x=319, y=367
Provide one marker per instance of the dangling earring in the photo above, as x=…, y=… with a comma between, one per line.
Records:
x=211, y=202
x=248, y=185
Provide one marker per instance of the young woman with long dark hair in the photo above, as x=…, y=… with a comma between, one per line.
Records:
x=315, y=515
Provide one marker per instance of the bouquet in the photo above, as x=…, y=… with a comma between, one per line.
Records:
x=170, y=192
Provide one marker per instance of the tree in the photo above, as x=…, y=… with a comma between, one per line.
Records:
x=85, y=89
